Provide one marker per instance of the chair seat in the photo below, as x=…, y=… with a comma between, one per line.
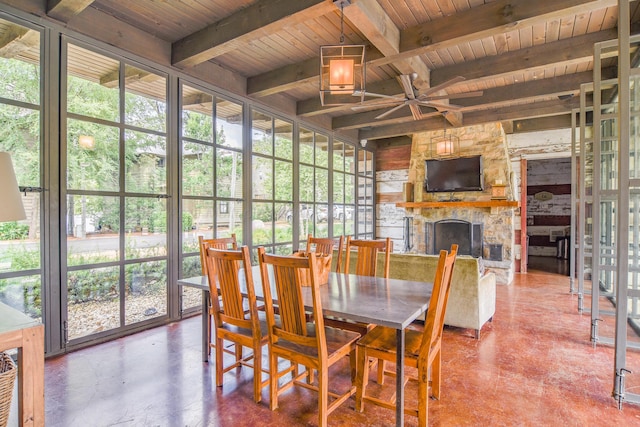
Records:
x=245, y=331
x=349, y=325
x=337, y=339
x=383, y=339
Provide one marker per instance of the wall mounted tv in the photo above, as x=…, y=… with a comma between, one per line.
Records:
x=460, y=174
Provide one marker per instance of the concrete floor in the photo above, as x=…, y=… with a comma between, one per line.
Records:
x=533, y=366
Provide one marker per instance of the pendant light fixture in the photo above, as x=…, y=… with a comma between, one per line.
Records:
x=342, y=69
x=444, y=146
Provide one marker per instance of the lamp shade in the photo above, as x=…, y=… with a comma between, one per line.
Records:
x=11, y=208
x=341, y=75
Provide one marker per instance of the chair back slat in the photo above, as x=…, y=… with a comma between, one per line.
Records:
x=434, y=324
x=367, y=264
x=290, y=301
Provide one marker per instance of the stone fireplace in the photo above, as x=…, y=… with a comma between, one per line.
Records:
x=480, y=229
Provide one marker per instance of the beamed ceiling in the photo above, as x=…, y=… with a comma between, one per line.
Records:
x=528, y=57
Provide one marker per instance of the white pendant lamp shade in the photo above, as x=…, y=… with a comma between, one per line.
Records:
x=11, y=208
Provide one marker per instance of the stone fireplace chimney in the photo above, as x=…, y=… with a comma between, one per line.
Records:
x=497, y=223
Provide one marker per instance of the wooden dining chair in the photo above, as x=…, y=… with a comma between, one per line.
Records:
x=366, y=265
x=235, y=314
x=367, y=251
x=326, y=246
x=422, y=349
x=217, y=243
x=294, y=338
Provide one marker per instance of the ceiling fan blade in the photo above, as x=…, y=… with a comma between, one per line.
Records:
x=452, y=96
x=377, y=95
x=415, y=111
x=375, y=105
x=440, y=106
x=407, y=85
x=386, y=113
x=441, y=86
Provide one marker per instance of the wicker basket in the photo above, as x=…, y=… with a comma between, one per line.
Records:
x=323, y=261
x=8, y=372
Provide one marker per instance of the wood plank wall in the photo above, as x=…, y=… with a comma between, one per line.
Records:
x=393, y=158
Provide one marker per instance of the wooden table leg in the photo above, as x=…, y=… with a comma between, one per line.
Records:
x=31, y=377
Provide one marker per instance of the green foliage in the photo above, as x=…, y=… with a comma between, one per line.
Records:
x=187, y=221
x=13, y=231
x=21, y=257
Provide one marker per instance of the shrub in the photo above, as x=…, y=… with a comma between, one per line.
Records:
x=13, y=231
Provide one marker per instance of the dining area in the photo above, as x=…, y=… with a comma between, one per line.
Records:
x=304, y=313
x=525, y=370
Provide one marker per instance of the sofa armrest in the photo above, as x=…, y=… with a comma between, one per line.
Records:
x=486, y=297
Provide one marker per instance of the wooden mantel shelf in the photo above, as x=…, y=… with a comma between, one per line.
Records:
x=461, y=204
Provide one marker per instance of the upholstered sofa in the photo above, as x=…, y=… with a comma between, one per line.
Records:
x=472, y=299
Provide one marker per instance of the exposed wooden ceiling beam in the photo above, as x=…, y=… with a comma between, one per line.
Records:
x=377, y=27
x=538, y=109
x=258, y=20
x=64, y=10
x=568, y=51
x=487, y=20
x=17, y=39
x=562, y=121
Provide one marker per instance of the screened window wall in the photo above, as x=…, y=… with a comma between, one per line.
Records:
x=271, y=183
x=313, y=185
x=212, y=176
x=138, y=163
x=344, y=194
x=366, y=195
x=21, y=248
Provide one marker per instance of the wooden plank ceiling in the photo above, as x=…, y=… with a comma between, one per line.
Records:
x=528, y=57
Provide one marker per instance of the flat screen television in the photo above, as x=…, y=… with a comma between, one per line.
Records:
x=461, y=174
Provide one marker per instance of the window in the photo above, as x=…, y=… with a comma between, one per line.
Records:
x=366, y=195
x=212, y=175
x=20, y=121
x=115, y=191
x=344, y=200
x=272, y=182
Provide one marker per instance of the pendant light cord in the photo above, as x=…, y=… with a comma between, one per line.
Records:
x=342, y=23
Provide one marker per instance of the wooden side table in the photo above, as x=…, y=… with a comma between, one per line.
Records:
x=27, y=335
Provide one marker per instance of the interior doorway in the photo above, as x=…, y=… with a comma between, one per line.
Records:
x=548, y=214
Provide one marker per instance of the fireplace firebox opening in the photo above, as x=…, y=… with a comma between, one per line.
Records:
x=442, y=234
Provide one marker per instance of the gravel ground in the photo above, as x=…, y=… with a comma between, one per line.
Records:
x=96, y=316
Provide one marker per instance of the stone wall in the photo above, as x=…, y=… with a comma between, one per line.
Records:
x=490, y=142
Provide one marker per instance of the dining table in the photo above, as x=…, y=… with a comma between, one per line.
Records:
x=393, y=303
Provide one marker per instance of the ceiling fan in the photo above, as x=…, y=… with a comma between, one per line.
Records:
x=414, y=100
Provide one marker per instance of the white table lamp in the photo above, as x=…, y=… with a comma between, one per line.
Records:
x=11, y=208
